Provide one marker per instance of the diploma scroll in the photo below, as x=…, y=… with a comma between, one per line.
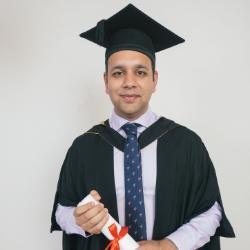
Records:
x=126, y=242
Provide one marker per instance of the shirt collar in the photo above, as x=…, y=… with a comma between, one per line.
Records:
x=146, y=119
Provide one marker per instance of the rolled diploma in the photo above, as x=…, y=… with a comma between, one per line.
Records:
x=125, y=243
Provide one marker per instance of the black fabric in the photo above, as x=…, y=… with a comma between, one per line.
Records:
x=131, y=39
x=186, y=183
x=132, y=29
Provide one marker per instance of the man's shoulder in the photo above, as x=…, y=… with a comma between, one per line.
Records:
x=89, y=136
x=183, y=132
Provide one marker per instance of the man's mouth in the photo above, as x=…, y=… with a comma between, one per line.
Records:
x=129, y=98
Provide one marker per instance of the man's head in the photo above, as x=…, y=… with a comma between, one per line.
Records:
x=131, y=39
x=130, y=82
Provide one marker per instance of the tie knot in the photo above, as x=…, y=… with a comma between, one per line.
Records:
x=130, y=128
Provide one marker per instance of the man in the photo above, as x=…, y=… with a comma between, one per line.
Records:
x=150, y=173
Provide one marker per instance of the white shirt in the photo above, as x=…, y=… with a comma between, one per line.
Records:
x=192, y=235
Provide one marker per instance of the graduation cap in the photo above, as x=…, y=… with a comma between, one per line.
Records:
x=131, y=29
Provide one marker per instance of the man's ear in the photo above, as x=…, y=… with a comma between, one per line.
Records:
x=105, y=78
x=155, y=79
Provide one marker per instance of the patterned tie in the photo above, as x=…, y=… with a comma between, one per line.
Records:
x=134, y=201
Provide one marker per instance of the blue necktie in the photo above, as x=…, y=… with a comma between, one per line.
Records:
x=135, y=217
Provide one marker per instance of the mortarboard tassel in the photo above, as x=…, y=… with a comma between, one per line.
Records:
x=100, y=32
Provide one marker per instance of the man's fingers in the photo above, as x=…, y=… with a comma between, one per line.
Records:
x=96, y=219
x=141, y=243
x=90, y=225
x=88, y=215
x=95, y=195
x=96, y=229
x=84, y=208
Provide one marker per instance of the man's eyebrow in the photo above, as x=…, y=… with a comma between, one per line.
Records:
x=137, y=66
x=117, y=67
x=141, y=66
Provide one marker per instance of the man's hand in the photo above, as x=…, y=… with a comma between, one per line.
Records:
x=91, y=217
x=157, y=245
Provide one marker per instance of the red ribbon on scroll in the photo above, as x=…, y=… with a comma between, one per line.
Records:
x=114, y=245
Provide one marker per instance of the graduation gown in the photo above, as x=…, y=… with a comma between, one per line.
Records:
x=186, y=184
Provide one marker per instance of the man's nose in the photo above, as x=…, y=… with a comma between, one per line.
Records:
x=129, y=80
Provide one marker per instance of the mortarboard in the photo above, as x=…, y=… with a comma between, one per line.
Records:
x=131, y=29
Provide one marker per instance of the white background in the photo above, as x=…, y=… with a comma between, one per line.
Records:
x=52, y=91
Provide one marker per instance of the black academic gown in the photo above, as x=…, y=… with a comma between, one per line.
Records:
x=186, y=183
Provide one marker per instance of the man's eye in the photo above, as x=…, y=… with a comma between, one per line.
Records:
x=141, y=73
x=117, y=73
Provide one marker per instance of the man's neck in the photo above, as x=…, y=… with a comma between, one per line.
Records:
x=131, y=117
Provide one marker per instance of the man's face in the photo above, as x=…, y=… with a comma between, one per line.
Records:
x=130, y=82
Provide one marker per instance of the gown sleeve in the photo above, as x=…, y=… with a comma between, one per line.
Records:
x=65, y=191
x=204, y=191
